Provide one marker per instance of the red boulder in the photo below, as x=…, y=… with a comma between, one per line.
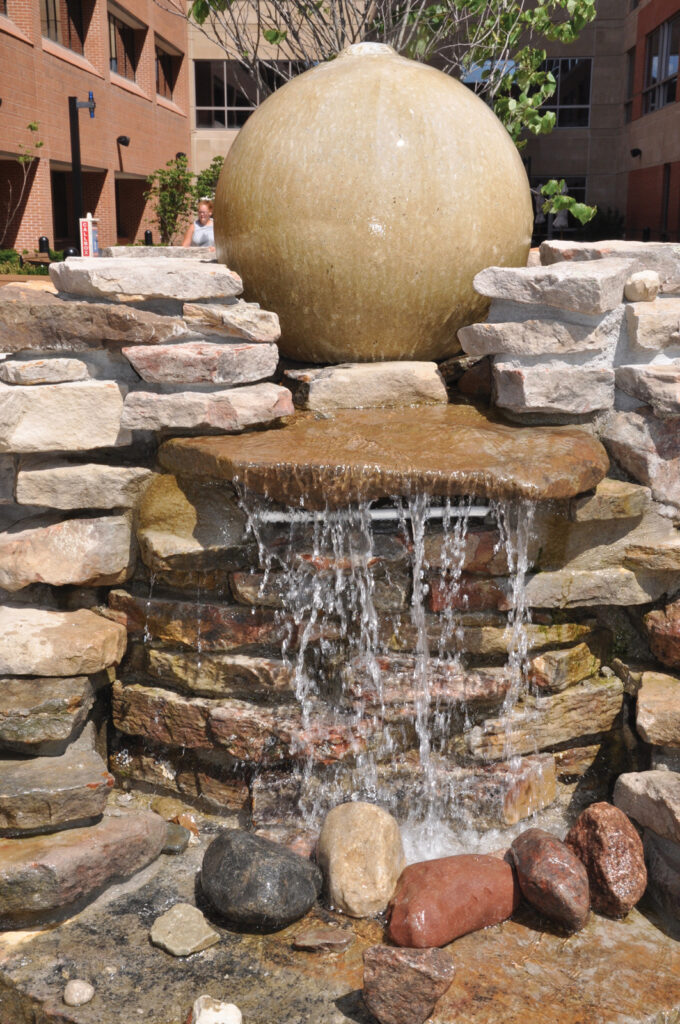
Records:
x=436, y=901
x=401, y=986
x=552, y=878
x=611, y=850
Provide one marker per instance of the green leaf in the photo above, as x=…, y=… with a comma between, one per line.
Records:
x=274, y=36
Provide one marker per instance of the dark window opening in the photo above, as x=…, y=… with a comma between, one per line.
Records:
x=167, y=71
x=662, y=51
x=62, y=209
x=125, y=44
x=630, y=85
x=571, y=99
x=62, y=21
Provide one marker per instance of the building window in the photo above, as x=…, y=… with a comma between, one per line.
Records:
x=3, y=6
x=549, y=225
x=125, y=44
x=661, y=65
x=571, y=99
x=226, y=94
x=630, y=85
x=62, y=22
x=167, y=70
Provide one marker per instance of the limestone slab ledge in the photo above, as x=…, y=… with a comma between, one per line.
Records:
x=39, y=642
x=366, y=454
x=233, y=409
x=591, y=288
x=663, y=257
x=186, y=280
x=61, y=417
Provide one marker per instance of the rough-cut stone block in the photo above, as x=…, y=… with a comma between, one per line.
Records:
x=648, y=448
x=663, y=872
x=578, y=588
x=53, y=483
x=192, y=525
x=539, y=332
x=540, y=723
x=40, y=716
x=237, y=319
x=658, y=386
x=663, y=629
x=41, y=322
x=204, y=362
x=221, y=675
x=401, y=986
x=43, y=371
x=183, y=930
x=83, y=552
x=658, y=709
x=192, y=774
x=367, y=385
x=612, y=499
x=661, y=557
x=38, y=642
x=467, y=593
x=449, y=685
x=552, y=387
x=51, y=876
x=270, y=590
x=220, y=627
x=483, y=555
x=579, y=287
x=652, y=799
x=47, y=794
x=205, y=254
x=144, y=279
x=554, y=671
x=642, y=286
x=654, y=325
x=663, y=257
x=61, y=417
x=228, y=411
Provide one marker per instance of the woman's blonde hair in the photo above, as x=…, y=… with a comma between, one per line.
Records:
x=206, y=202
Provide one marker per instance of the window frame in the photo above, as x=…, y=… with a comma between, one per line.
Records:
x=236, y=84
x=663, y=89
x=69, y=32
x=555, y=103
x=120, y=32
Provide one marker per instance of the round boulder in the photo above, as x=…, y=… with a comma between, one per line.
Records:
x=437, y=901
x=257, y=883
x=361, y=855
x=604, y=838
x=359, y=201
x=552, y=878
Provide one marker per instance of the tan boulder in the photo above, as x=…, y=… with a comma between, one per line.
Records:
x=361, y=855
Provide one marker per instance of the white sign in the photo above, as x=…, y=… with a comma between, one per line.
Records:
x=89, y=235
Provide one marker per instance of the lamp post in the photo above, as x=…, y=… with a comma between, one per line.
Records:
x=74, y=105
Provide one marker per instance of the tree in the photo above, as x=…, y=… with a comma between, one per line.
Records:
x=495, y=44
x=28, y=155
x=171, y=193
x=206, y=181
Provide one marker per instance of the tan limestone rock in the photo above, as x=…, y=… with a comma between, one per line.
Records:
x=612, y=499
x=237, y=319
x=654, y=325
x=38, y=642
x=61, y=417
x=42, y=371
x=361, y=855
x=231, y=410
x=658, y=386
x=652, y=799
x=128, y=279
x=554, y=671
x=183, y=930
x=53, y=483
x=367, y=385
x=578, y=287
x=642, y=286
x=658, y=709
x=204, y=362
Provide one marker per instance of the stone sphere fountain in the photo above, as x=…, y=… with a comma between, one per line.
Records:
x=360, y=200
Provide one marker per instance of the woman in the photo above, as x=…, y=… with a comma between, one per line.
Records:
x=201, y=231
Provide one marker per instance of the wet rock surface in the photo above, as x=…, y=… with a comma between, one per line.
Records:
x=443, y=450
x=40, y=716
x=361, y=855
x=256, y=883
x=619, y=972
x=437, y=901
x=604, y=839
x=552, y=878
x=663, y=629
x=401, y=986
x=658, y=709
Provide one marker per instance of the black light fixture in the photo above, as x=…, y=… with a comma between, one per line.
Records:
x=178, y=156
x=636, y=152
x=123, y=140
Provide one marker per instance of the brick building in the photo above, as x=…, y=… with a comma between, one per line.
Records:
x=131, y=56
x=617, y=140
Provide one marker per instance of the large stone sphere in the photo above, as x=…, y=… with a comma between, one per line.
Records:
x=360, y=200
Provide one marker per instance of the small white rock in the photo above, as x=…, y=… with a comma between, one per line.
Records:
x=642, y=286
x=78, y=992
x=207, y=1010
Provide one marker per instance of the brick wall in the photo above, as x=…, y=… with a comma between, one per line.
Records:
x=36, y=78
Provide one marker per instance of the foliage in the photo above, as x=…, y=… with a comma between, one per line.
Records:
x=12, y=262
x=556, y=199
x=495, y=45
x=28, y=154
x=171, y=195
x=206, y=180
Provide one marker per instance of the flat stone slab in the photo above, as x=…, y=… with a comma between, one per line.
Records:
x=231, y=410
x=648, y=448
x=41, y=321
x=47, y=876
x=367, y=386
x=368, y=454
x=658, y=709
x=204, y=362
x=40, y=642
x=580, y=287
x=652, y=799
x=43, y=371
x=659, y=386
x=553, y=387
x=612, y=972
x=54, y=483
x=237, y=319
x=61, y=417
x=125, y=278
x=47, y=794
x=663, y=257
x=40, y=716
x=655, y=325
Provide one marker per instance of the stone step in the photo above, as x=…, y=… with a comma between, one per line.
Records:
x=49, y=877
x=133, y=279
x=41, y=716
x=660, y=256
x=37, y=642
x=54, y=483
x=237, y=319
x=48, y=794
x=580, y=287
x=204, y=362
x=61, y=417
x=367, y=385
x=658, y=386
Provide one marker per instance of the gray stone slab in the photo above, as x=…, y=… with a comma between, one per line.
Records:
x=593, y=287
x=228, y=411
x=657, y=385
x=552, y=387
x=137, y=279
x=55, y=483
x=663, y=257
x=42, y=371
x=367, y=385
x=41, y=715
x=61, y=417
x=204, y=362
